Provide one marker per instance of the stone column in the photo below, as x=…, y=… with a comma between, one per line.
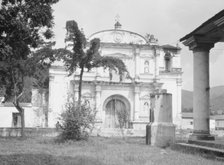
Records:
x=98, y=103
x=137, y=104
x=201, y=92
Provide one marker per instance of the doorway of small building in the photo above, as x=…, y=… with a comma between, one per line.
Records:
x=117, y=112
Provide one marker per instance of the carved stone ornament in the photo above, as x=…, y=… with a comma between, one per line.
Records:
x=118, y=37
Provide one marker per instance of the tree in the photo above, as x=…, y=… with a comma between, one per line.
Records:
x=82, y=57
x=24, y=27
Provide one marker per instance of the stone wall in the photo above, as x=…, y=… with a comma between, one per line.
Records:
x=29, y=132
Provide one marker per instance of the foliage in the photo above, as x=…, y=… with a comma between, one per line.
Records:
x=123, y=120
x=86, y=55
x=76, y=123
x=24, y=26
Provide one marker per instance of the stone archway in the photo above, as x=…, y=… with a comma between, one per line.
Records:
x=113, y=106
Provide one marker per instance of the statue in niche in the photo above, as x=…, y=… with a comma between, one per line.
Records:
x=146, y=106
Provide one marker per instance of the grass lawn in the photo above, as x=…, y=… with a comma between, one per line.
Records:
x=95, y=151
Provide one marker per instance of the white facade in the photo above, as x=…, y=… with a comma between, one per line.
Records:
x=151, y=67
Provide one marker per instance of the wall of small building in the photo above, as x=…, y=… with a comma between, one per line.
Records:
x=188, y=123
x=219, y=124
x=7, y=110
x=59, y=90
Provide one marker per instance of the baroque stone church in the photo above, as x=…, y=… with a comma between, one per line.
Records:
x=151, y=67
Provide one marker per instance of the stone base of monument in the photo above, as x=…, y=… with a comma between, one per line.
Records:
x=197, y=136
x=162, y=134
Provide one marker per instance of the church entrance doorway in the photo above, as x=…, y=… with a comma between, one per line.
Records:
x=116, y=113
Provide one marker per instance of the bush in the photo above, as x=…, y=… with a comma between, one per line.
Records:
x=123, y=120
x=76, y=122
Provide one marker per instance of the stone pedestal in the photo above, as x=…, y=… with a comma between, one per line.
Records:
x=162, y=129
x=162, y=134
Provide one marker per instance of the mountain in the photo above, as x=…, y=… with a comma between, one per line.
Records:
x=187, y=99
x=216, y=99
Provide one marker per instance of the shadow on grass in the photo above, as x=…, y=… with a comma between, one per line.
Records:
x=44, y=159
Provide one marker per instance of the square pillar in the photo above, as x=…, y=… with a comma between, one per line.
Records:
x=162, y=128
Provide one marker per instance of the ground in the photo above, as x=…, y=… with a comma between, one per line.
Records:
x=95, y=151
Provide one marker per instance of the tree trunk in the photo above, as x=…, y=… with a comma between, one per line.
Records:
x=22, y=122
x=21, y=111
x=46, y=117
x=80, y=86
x=45, y=108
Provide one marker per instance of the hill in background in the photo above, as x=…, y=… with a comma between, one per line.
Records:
x=216, y=99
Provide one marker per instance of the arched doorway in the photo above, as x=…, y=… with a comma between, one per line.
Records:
x=117, y=112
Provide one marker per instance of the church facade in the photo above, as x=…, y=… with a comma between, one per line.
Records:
x=151, y=68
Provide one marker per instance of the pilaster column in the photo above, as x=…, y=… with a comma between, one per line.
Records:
x=98, y=103
x=156, y=56
x=137, y=62
x=201, y=48
x=177, y=115
x=137, y=103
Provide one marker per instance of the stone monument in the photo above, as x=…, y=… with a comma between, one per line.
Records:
x=162, y=128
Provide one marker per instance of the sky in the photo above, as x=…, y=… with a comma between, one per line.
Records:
x=167, y=20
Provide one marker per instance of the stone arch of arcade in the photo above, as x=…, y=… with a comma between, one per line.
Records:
x=113, y=104
x=200, y=41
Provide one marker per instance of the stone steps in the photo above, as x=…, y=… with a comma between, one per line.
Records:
x=206, y=151
x=213, y=144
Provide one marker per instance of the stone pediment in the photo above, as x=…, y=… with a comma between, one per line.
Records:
x=119, y=36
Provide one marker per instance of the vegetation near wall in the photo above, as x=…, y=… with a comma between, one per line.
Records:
x=76, y=123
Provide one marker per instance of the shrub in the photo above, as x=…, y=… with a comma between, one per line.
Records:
x=123, y=120
x=76, y=122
